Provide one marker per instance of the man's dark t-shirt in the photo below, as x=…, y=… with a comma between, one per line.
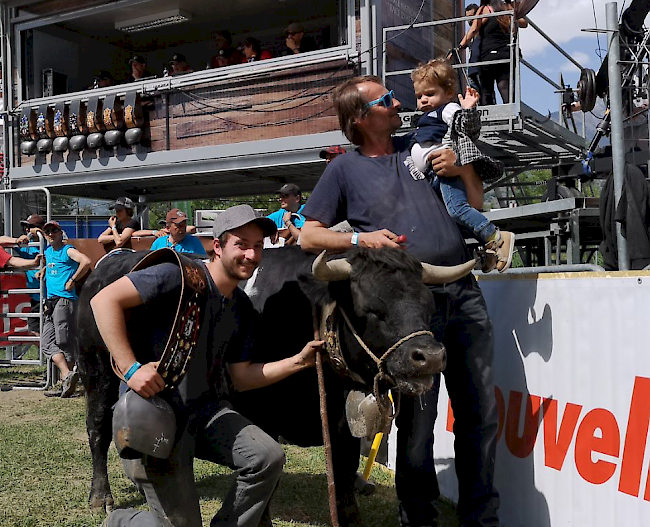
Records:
x=388, y=192
x=226, y=333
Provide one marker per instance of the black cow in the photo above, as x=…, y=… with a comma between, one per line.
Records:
x=383, y=293
x=99, y=381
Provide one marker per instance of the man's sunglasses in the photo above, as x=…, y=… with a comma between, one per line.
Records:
x=50, y=232
x=385, y=100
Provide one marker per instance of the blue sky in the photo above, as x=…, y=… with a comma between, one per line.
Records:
x=562, y=20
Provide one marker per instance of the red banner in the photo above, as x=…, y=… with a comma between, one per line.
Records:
x=13, y=304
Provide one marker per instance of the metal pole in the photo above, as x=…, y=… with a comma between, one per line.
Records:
x=616, y=108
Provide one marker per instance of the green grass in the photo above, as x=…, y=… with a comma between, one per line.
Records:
x=45, y=471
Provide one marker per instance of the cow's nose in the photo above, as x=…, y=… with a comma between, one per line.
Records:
x=429, y=359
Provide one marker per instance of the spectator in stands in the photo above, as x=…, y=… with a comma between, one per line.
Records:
x=178, y=65
x=253, y=51
x=473, y=78
x=6, y=261
x=177, y=239
x=289, y=219
x=65, y=267
x=494, y=44
x=32, y=225
x=120, y=227
x=138, y=65
x=103, y=79
x=297, y=41
x=329, y=154
x=226, y=53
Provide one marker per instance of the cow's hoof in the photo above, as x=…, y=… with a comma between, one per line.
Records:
x=348, y=511
x=106, y=503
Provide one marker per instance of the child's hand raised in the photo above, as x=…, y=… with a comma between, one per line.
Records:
x=471, y=98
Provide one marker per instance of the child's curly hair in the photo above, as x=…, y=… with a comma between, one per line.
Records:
x=437, y=71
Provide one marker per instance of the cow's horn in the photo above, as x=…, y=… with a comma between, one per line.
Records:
x=332, y=271
x=435, y=274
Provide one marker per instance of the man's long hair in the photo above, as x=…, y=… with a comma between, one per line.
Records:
x=349, y=105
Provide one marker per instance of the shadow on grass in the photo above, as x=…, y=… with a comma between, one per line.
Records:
x=302, y=497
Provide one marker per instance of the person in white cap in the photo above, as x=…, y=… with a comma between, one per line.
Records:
x=120, y=227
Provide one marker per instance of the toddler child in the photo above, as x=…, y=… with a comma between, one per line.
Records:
x=435, y=91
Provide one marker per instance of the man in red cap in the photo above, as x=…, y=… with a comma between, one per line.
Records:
x=66, y=266
x=177, y=239
x=32, y=226
x=328, y=154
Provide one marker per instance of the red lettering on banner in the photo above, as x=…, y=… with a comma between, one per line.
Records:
x=450, y=417
x=597, y=433
x=522, y=445
x=636, y=436
x=13, y=304
x=609, y=443
x=556, y=445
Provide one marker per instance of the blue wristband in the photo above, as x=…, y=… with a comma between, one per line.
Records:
x=355, y=238
x=134, y=367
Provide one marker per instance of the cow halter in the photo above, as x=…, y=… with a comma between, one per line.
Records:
x=329, y=333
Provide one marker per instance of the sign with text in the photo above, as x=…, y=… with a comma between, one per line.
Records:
x=573, y=393
x=13, y=304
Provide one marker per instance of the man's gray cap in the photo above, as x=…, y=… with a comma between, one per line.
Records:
x=238, y=216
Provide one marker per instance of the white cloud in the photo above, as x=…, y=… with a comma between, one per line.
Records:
x=563, y=20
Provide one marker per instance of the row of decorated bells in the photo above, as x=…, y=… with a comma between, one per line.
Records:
x=77, y=143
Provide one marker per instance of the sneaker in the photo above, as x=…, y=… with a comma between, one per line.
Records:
x=489, y=261
x=503, y=246
x=69, y=384
x=54, y=391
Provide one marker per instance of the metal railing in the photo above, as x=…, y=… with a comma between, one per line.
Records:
x=515, y=59
x=51, y=370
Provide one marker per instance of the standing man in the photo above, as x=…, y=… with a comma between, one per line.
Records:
x=208, y=426
x=120, y=227
x=389, y=203
x=473, y=78
x=177, y=239
x=289, y=219
x=65, y=266
x=31, y=227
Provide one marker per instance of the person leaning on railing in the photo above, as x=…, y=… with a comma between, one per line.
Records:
x=494, y=33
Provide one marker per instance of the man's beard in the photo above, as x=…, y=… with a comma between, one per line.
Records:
x=234, y=270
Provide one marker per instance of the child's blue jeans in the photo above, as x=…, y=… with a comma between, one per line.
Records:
x=454, y=196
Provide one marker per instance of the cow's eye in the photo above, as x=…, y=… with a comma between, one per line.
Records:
x=375, y=313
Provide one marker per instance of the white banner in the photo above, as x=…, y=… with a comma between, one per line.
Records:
x=572, y=370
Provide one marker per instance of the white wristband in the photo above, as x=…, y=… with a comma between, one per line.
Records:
x=355, y=238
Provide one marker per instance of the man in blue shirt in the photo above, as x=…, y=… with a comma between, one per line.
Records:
x=177, y=239
x=65, y=266
x=32, y=225
x=289, y=219
x=390, y=203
